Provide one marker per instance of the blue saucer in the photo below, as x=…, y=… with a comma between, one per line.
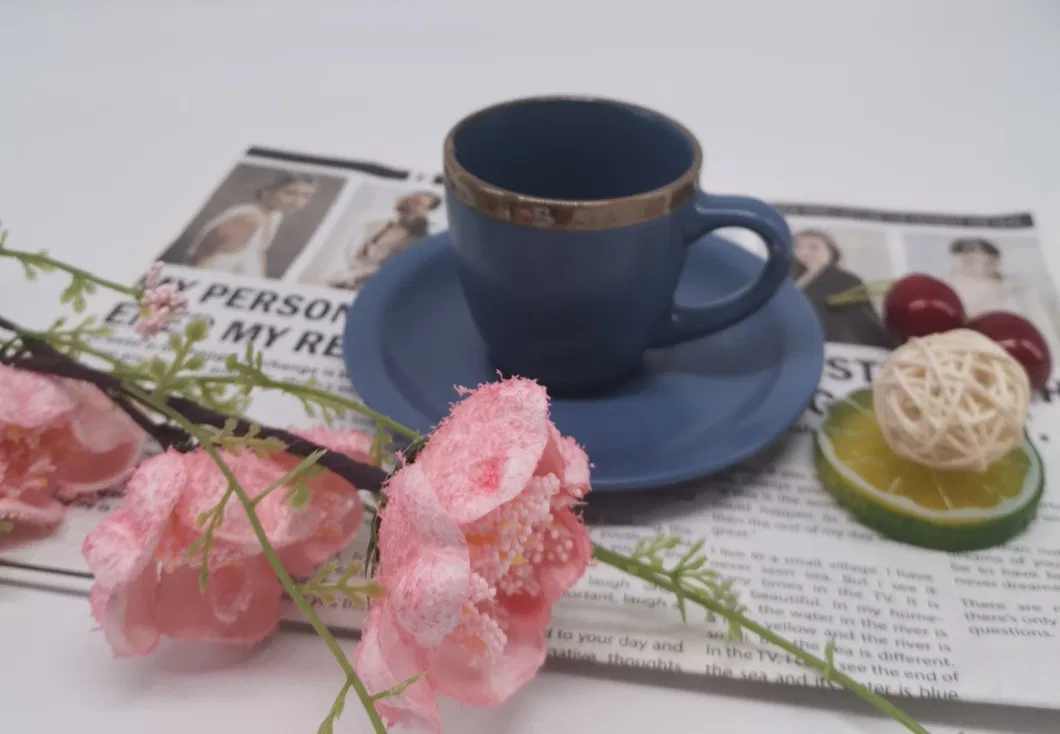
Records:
x=695, y=408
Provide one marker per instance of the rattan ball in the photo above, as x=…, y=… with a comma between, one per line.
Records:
x=955, y=400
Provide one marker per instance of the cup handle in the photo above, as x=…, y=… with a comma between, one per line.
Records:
x=715, y=212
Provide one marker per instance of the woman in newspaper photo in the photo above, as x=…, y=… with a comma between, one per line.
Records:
x=983, y=286
x=386, y=238
x=238, y=239
x=817, y=273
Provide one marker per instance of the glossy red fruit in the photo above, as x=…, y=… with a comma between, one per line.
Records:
x=918, y=305
x=1021, y=339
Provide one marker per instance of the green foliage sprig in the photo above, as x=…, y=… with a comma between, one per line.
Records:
x=690, y=580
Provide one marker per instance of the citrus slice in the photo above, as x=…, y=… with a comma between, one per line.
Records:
x=915, y=504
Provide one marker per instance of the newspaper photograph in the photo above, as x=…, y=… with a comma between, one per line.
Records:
x=278, y=251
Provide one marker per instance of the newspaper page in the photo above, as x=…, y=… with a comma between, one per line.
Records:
x=908, y=622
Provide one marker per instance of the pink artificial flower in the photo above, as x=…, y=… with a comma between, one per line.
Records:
x=478, y=539
x=160, y=305
x=147, y=580
x=59, y=439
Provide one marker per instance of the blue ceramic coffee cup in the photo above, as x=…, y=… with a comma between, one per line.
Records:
x=571, y=218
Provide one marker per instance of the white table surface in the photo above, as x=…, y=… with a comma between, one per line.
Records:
x=117, y=118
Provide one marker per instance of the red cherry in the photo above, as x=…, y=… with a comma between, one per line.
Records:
x=1021, y=339
x=918, y=305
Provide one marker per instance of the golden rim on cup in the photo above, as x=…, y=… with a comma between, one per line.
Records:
x=564, y=214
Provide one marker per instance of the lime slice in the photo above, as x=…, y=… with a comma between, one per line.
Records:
x=912, y=503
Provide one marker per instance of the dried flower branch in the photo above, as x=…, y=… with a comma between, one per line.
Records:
x=187, y=411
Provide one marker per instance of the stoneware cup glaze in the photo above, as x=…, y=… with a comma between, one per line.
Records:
x=570, y=218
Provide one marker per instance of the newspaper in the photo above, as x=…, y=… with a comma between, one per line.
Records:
x=909, y=622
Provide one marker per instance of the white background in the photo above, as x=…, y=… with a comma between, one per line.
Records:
x=118, y=118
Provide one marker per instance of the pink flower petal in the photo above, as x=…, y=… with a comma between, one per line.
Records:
x=337, y=521
x=234, y=539
x=384, y=659
x=575, y=474
x=332, y=502
x=127, y=616
x=122, y=546
x=524, y=610
x=557, y=579
x=320, y=529
x=247, y=595
x=80, y=471
x=229, y=592
x=425, y=565
x=246, y=601
x=35, y=507
x=453, y=675
x=96, y=423
x=31, y=401
x=486, y=450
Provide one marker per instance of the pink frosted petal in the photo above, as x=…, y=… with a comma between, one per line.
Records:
x=127, y=616
x=425, y=563
x=25, y=463
x=575, y=478
x=229, y=592
x=33, y=507
x=320, y=529
x=246, y=600
x=317, y=531
x=338, y=520
x=334, y=512
x=334, y=504
x=531, y=612
x=383, y=659
x=552, y=458
x=205, y=487
x=99, y=446
x=249, y=599
x=490, y=685
x=80, y=471
x=486, y=450
x=182, y=610
x=557, y=579
x=96, y=423
x=122, y=546
x=569, y=462
x=31, y=401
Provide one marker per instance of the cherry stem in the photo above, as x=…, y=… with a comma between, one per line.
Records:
x=860, y=293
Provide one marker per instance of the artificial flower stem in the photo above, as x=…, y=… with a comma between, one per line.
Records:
x=263, y=382
x=266, y=384
x=295, y=388
x=288, y=583
x=40, y=259
x=302, y=467
x=181, y=354
x=67, y=340
x=321, y=395
x=665, y=581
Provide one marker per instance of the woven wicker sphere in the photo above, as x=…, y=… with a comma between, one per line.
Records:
x=954, y=400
